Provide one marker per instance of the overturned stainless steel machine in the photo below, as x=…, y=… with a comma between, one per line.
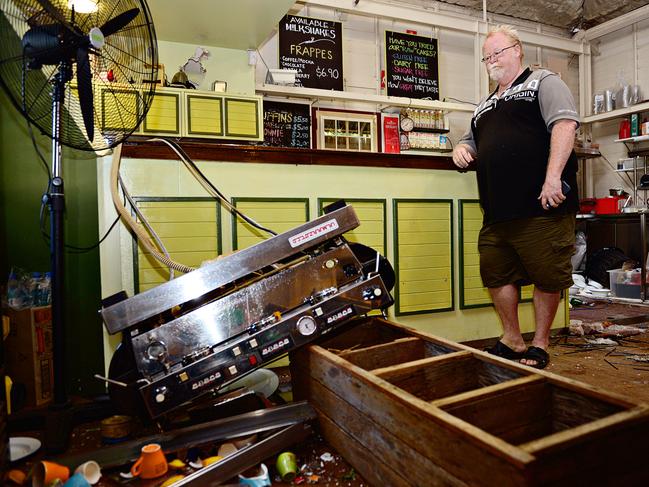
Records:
x=206, y=329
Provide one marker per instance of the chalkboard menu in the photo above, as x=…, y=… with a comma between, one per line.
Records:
x=314, y=48
x=287, y=124
x=411, y=66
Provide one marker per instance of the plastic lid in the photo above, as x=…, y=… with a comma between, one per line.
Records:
x=48, y=274
x=36, y=274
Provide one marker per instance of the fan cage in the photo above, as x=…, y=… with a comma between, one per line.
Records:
x=124, y=71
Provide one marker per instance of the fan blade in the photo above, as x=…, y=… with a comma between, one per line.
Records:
x=117, y=23
x=56, y=15
x=84, y=80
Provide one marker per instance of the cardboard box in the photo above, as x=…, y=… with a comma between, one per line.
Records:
x=29, y=353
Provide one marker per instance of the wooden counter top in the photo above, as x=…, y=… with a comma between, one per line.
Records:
x=140, y=148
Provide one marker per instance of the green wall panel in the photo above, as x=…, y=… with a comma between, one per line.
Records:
x=371, y=214
x=472, y=293
x=190, y=229
x=423, y=241
x=276, y=214
x=23, y=180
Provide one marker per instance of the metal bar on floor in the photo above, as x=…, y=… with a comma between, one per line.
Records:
x=219, y=472
x=221, y=429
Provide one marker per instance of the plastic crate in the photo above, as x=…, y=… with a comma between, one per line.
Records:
x=625, y=284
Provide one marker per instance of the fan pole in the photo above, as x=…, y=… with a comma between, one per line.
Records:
x=57, y=250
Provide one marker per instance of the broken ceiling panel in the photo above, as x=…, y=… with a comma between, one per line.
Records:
x=566, y=14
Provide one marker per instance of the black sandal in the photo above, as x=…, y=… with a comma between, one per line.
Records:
x=502, y=350
x=539, y=355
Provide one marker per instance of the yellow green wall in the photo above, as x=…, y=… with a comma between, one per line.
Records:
x=229, y=65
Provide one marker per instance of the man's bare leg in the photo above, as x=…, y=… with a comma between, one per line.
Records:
x=545, y=309
x=505, y=300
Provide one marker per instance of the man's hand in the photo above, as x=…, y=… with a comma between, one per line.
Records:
x=463, y=155
x=562, y=139
x=551, y=194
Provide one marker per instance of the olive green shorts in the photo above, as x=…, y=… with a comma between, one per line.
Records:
x=528, y=251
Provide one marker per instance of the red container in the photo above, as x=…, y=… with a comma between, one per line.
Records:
x=625, y=129
x=587, y=206
x=608, y=205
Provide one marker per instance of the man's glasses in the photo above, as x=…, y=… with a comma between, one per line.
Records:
x=494, y=55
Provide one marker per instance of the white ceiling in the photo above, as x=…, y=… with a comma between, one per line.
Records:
x=233, y=24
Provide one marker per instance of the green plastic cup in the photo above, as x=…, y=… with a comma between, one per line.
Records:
x=287, y=466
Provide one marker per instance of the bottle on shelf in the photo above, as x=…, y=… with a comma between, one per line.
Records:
x=625, y=129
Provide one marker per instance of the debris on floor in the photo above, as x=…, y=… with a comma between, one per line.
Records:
x=602, y=328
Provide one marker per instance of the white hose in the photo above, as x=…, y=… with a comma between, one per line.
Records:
x=142, y=236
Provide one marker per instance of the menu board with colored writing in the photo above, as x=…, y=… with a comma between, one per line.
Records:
x=287, y=124
x=314, y=48
x=411, y=66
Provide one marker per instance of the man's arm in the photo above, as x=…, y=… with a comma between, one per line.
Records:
x=465, y=151
x=562, y=140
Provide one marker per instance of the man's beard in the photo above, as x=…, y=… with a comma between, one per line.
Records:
x=496, y=73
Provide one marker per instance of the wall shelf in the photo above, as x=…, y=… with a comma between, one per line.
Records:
x=640, y=138
x=430, y=130
x=138, y=147
x=620, y=112
x=587, y=153
x=381, y=100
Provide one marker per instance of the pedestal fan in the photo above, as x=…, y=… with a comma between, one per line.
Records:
x=84, y=73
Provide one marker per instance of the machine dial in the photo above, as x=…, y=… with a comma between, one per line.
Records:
x=306, y=325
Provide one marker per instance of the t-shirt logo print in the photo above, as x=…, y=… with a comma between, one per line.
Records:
x=524, y=92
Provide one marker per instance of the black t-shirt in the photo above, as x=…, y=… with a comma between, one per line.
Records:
x=511, y=136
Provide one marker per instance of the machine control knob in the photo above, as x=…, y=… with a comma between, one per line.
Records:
x=156, y=350
x=372, y=293
x=350, y=270
x=161, y=394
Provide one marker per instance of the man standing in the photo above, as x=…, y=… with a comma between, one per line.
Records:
x=521, y=140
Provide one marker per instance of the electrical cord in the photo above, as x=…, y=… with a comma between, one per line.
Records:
x=76, y=249
x=461, y=101
x=145, y=238
x=193, y=168
x=82, y=250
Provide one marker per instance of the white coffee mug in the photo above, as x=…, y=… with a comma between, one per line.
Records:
x=90, y=470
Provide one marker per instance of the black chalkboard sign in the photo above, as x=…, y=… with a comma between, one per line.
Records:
x=314, y=48
x=411, y=66
x=287, y=124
